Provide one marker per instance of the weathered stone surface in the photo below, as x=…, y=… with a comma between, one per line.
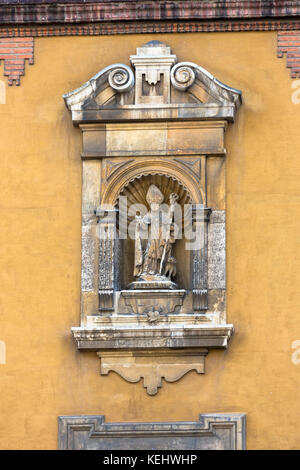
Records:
x=88, y=247
x=164, y=301
x=153, y=138
x=152, y=100
x=217, y=217
x=152, y=63
x=91, y=173
x=212, y=432
x=216, y=251
x=127, y=113
x=91, y=185
x=152, y=366
x=217, y=300
x=216, y=182
x=162, y=335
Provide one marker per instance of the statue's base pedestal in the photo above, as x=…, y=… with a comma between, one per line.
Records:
x=152, y=281
x=163, y=301
x=156, y=284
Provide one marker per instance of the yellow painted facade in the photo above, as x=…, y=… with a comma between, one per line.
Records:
x=40, y=241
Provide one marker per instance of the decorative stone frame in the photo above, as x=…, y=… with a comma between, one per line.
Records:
x=212, y=432
x=128, y=135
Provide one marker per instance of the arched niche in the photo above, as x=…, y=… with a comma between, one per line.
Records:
x=135, y=170
x=135, y=192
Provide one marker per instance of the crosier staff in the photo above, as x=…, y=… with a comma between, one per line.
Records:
x=173, y=199
x=138, y=256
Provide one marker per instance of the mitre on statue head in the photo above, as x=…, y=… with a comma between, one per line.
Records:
x=154, y=195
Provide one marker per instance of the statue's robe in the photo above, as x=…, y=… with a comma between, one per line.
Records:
x=159, y=244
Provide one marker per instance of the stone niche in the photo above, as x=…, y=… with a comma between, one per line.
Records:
x=153, y=292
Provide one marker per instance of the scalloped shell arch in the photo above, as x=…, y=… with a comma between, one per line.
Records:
x=136, y=189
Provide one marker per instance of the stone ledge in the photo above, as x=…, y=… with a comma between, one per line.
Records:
x=152, y=337
x=158, y=113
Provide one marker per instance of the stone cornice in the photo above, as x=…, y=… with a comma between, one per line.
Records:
x=52, y=12
x=151, y=337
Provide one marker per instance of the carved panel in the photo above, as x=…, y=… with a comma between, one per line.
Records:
x=193, y=164
x=107, y=230
x=143, y=166
x=163, y=301
x=212, y=432
x=199, y=260
x=114, y=166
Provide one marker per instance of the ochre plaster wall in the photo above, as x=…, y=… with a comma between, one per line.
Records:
x=40, y=242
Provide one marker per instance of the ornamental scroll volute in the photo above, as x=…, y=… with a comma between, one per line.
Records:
x=153, y=215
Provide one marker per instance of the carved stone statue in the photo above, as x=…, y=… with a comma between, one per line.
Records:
x=154, y=239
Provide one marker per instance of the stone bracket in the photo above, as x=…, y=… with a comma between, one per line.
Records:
x=152, y=352
x=152, y=366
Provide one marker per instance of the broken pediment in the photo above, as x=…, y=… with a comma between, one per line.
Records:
x=155, y=87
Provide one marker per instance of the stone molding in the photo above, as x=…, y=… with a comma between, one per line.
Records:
x=213, y=431
x=162, y=335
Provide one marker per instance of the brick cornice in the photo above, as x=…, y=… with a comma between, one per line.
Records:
x=46, y=12
x=40, y=18
x=144, y=27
